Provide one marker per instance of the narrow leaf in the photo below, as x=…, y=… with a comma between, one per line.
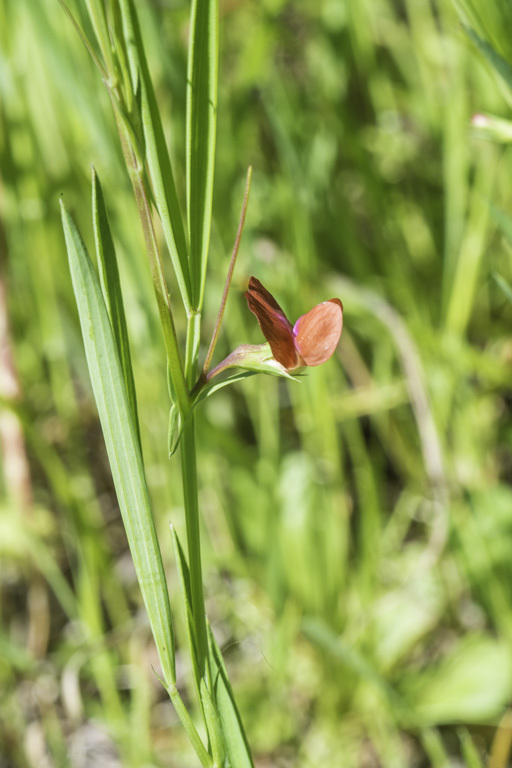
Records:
x=213, y=386
x=174, y=429
x=504, y=221
x=330, y=643
x=85, y=40
x=505, y=287
x=191, y=731
x=213, y=724
x=177, y=423
x=234, y=735
x=186, y=596
x=98, y=17
x=498, y=63
x=121, y=442
x=111, y=287
x=201, y=130
x=469, y=750
x=157, y=155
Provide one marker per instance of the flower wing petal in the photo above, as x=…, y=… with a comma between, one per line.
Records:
x=318, y=331
x=274, y=324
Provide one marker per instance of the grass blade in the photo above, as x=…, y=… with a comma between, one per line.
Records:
x=98, y=17
x=184, y=581
x=201, y=130
x=504, y=221
x=157, y=155
x=122, y=444
x=505, y=287
x=111, y=287
x=469, y=749
x=234, y=735
x=214, y=727
x=497, y=62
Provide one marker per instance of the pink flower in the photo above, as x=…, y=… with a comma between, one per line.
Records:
x=311, y=341
x=313, y=338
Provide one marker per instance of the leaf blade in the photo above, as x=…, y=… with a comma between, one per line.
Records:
x=157, y=155
x=235, y=739
x=121, y=442
x=497, y=62
x=201, y=134
x=111, y=287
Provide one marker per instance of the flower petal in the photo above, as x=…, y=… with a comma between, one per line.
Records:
x=274, y=324
x=318, y=331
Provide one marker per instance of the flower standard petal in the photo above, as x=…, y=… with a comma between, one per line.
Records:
x=318, y=331
x=274, y=324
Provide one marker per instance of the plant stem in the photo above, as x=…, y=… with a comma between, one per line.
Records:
x=190, y=497
x=192, y=348
x=157, y=272
x=186, y=720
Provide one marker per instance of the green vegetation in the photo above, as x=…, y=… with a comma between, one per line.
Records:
x=356, y=527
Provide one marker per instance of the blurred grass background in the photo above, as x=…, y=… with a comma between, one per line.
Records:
x=357, y=526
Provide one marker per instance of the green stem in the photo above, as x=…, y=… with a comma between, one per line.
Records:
x=192, y=348
x=157, y=271
x=190, y=496
x=186, y=720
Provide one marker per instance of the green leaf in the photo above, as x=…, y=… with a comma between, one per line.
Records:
x=186, y=596
x=201, y=130
x=176, y=421
x=111, y=287
x=504, y=221
x=234, y=735
x=322, y=635
x=469, y=751
x=22, y=544
x=213, y=724
x=213, y=386
x=85, y=40
x=157, y=154
x=253, y=358
x=505, y=287
x=498, y=63
x=470, y=685
x=434, y=748
x=496, y=129
x=122, y=444
x=174, y=429
x=98, y=17
x=15, y=656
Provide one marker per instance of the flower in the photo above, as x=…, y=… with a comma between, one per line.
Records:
x=289, y=349
x=313, y=338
